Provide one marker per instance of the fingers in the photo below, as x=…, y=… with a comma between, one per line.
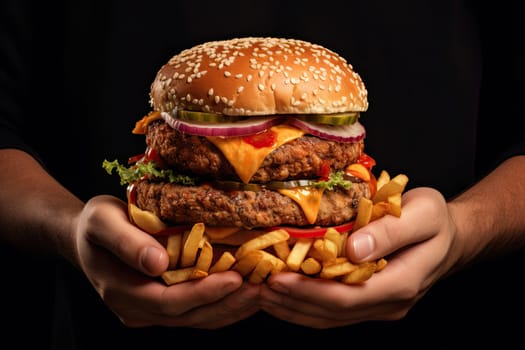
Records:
x=424, y=211
x=104, y=222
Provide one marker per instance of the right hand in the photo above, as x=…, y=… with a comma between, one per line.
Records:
x=123, y=263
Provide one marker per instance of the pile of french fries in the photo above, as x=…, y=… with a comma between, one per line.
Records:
x=192, y=255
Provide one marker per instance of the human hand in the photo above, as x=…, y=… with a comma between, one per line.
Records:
x=121, y=262
x=419, y=249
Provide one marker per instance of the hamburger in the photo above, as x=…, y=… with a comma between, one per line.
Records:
x=247, y=135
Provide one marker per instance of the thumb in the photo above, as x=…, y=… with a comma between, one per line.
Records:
x=422, y=212
x=108, y=226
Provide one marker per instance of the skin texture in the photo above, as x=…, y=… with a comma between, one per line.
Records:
x=432, y=239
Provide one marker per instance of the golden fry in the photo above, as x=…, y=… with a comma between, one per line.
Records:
x=182, y=275
x=191, y=245
x=261, y=271
x=247, y=262
x=339, y=269
x=364, y=213
x=282, y=250
x=395, y=204
x=174, y=248
x=382, y=179
x=361, y=274
x=205, y=256
x=333, y=235
x=381, y=263
x=263, y=241
x=278, y=264
x=298, y=253
x=395, y=185
x=379, y=210
x=330, y=251
x=224, y=263
x=311, y=266
x=342, y=244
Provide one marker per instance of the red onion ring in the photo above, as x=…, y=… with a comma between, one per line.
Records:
x=253, y=125
x=243, y=127
x=340, y=133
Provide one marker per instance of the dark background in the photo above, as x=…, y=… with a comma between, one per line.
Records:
x=92, y=64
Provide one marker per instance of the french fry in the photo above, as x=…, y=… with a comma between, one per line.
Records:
x=379, y=210
x=282, y=250
x=191, y=245
x=330, y=251
x=224, y=263
x=298, y=253
x=382, y=179
x=364, y=213
x=261, y=271
x=263, y=241
x=278, y=264
x=342, y=245
x=247, y=262
x=174, y=248
x=205, y=256
x=361, y=274
x=381, y=263
x=394, y=202
x=311, y=266
x=396, y=185
x=182, y=275
x=334, y=236
x=338, y=269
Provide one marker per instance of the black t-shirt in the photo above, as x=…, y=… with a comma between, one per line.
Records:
x=444, y=80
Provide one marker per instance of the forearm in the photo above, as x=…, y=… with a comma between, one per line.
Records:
x=490, y=216
x=36, y=212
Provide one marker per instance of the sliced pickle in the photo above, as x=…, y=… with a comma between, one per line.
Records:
x=236, y=186
x=227, y=185
x=205, y=117
x=279, y=185
x=332, y=119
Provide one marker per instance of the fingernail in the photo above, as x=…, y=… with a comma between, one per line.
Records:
x=150, y=258
x=363, y=245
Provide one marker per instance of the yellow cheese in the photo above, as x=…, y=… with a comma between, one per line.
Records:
x=309, y=198
x=247, y=159
x=244, y=157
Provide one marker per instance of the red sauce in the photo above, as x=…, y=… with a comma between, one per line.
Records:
x=266, y=138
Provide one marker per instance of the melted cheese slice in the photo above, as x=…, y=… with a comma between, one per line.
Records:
x=309, y=198
x=247, y=159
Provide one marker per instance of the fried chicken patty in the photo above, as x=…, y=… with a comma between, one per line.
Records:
x=248, y=209
x=302, y=158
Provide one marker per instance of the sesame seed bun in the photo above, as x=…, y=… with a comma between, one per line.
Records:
x=258, y=76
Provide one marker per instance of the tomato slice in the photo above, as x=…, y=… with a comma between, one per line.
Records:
x=313, y=232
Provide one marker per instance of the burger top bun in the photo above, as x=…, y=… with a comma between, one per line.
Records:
x=258, y=76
